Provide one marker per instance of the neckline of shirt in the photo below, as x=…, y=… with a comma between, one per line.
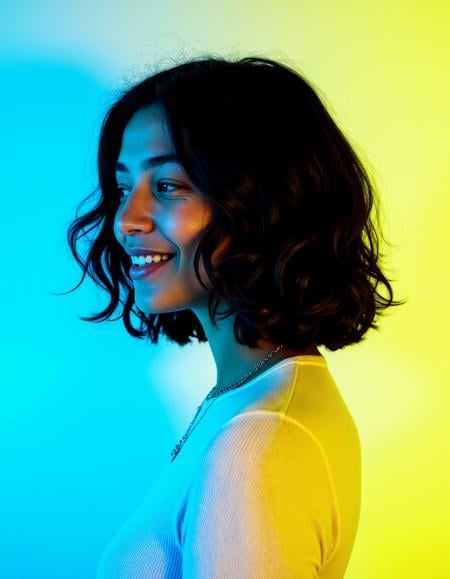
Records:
x=291, y=360
x=313, y=359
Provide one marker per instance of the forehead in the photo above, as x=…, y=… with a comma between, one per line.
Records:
x=146, y=131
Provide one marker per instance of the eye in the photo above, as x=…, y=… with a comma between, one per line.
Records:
x=160, y=187
x=162, y=184
x=120, y=193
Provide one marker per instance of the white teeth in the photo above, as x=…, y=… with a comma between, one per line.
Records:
x=143, y=259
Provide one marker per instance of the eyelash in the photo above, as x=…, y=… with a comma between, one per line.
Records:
x=122, y=196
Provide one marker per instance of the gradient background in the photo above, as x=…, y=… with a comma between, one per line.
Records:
x=88, y=415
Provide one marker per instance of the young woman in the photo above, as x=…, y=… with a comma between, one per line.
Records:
x=233, y=210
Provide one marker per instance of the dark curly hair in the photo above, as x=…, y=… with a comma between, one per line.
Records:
x=289, y=194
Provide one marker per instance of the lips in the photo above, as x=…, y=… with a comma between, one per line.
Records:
x=146, y=251
x=138, y=272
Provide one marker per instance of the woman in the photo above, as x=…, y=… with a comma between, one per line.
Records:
x=244, y=214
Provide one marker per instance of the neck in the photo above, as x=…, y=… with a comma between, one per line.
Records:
x=233, y=360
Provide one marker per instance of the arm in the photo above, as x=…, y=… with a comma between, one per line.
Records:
x=261, y=504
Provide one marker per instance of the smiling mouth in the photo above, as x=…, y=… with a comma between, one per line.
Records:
x=138, y=272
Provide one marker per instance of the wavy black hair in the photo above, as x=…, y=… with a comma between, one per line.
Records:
x=289, y=194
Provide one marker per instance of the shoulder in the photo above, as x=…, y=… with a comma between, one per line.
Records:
x=269, y=447
x=263, y=470
x=265, y=430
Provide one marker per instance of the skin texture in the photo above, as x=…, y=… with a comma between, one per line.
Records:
x=171, y=218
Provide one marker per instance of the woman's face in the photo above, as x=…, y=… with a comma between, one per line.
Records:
x=161, y=211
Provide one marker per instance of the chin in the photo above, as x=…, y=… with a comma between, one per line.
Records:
x=148, y=309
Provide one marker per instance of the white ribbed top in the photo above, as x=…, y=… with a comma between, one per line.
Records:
x=267, y=485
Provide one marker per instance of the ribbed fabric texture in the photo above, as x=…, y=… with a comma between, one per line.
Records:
x=268, y=485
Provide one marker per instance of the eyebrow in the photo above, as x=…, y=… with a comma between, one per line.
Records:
x=150, y=163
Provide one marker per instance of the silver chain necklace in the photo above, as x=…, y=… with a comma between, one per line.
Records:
x=214, y=393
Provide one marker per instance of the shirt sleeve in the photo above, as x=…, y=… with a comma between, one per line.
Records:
x=261, y=503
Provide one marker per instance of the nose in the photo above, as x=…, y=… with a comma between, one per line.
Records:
x=135, y=213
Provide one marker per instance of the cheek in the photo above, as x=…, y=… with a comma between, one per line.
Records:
x=187, y=226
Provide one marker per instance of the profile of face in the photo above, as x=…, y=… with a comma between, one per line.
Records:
x=160, y=210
